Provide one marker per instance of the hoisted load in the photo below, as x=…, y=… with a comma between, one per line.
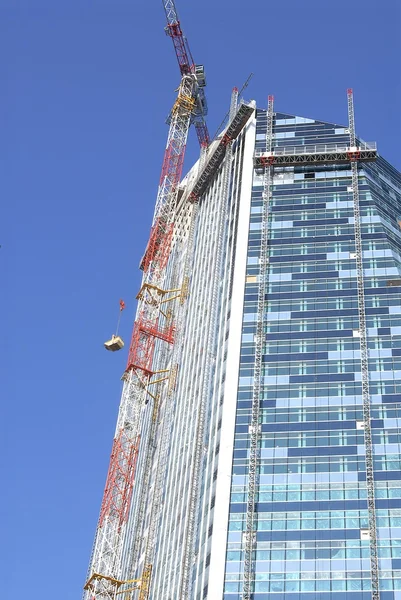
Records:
x=116, y=342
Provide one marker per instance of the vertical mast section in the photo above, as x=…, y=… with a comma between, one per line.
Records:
x=254, y=428
x=175, y=149
x=187, y=65
x=108, y=565
x=354, y=154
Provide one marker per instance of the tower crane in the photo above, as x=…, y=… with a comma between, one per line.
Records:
x=107, y=576
x=187, y=66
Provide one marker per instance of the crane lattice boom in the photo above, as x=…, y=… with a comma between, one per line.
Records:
x=147, y=378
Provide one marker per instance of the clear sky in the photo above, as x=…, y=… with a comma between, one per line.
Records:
x=85, y=89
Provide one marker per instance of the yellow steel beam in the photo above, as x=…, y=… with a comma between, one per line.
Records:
x=185, y=102
x=159, y=290
x=98, y=576
x=145, y=584
x=137, y=587
x=170, y=299
x=158, y=380
x=173, y=379
x=151, y=395
x=184, y=290
x=155, y=409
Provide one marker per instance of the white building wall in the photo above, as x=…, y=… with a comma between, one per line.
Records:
x=208, y=569
x=223, y=483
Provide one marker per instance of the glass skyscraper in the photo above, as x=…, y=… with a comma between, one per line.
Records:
x=311, y=533
x=312, y=526
x=312, y=536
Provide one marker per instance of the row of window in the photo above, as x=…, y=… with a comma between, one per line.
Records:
x=320, y=464
x=334, y=303
x=320, y=390
x=297, y=197
x=322, y=231
x=316, y=495
x=321, y=367
x=339, y=585
x=293, y=189
x=332, y=545
x=277, y=524
x=285, y=287
x=311, y=439
x=313, y=214
x=382, y=513
x=314, y=554
x=291, y=196
x=330, y=265
x=310, y=182
x=331, y=323
x=296, y=346
x=318, y=214
x=313, y=249
x=330, y=345
x=318, y=413
x=317, y=248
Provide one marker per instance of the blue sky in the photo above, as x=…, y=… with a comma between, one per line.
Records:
x=85, y=89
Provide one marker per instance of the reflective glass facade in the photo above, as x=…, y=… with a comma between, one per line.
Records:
x=312, y=516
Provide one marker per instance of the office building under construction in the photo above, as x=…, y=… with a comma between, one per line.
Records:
x=257, y=449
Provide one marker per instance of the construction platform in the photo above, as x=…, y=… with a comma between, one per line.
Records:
x=312, y=154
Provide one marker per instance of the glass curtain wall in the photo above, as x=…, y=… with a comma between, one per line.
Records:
x=312, y=509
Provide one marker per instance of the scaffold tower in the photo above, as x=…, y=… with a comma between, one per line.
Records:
x=153, y=325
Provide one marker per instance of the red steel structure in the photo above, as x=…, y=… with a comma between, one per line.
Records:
x=107, y=576
x=120, y=479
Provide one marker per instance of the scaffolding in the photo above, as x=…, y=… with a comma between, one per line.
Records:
x=353, y=153
x=313, y=154
x=152, y=326
x=370, y=484
x=233, y=130
x=254, y=428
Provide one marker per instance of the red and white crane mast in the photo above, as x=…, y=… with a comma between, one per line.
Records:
x=187, y=66
x=106, y=579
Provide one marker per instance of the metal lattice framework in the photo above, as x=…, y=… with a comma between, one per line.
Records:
x=175, y=148
x=152, y=326
x=318, y=153
x=216, y=157
x=370, y=484
x=104, y=576
x=304, y=155
x=120, y=479
x=187, y=66
x=254, y=428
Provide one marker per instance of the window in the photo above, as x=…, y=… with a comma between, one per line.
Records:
x=340, y=366
x=339, y=323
